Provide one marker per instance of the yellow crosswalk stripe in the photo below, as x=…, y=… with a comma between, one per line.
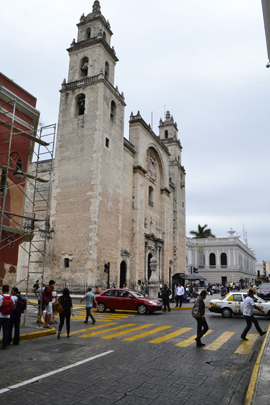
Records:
x=219, y=341
x=92, y=327
x=150, y=332
x=125, y=332
x=107, y=330
x=191, y=340
x=246, y=346
x=169, y=336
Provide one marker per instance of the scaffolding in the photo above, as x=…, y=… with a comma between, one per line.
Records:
x=32, y=225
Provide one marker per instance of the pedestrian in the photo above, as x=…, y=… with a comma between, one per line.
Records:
x=14, y=320
x=36, y=286
x=41, y=307
x=7, y=303
x=140, y=287
x=146, y=290
x=97, y=290
x=166, y=292
x=89, y=297
x=66, y=302
x=180, y=291
x=249, y=304
x=48, y=305
x=202, y=326
x=54, y=297
x=125, y=287
x=113, y=285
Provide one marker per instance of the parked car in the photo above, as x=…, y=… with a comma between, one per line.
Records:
x=119, y=298
x=263, y=291
x=233, y=303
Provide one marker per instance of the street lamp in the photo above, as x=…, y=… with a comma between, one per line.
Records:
x=18, y=174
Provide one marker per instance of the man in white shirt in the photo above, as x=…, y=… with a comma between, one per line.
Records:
x=180, y=291
x=4, y=319
x=249, y=304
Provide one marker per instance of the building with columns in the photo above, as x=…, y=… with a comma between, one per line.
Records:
x=222, y=260
x=113, y=200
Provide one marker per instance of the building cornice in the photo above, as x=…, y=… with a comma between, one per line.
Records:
x=139, y=169
x=76, y=46
x=129, y=146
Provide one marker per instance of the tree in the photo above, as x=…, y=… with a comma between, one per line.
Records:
x=202, y=232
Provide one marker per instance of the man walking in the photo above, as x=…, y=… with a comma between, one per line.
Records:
x=15, y=319
x=166, y=292
x=249, y=304
x=180, y=291
x=89, y=297
x=202, y=326
x=6, y=305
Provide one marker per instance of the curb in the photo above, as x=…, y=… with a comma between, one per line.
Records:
x=35, y=335
x=255, y=372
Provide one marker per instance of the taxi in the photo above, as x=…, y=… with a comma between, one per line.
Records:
x=233, y=304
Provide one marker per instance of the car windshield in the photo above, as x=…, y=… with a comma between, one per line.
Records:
x=137, y=295
x=264, y=287
x=258, y=299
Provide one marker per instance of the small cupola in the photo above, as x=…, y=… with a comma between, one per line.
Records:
x=168, y=128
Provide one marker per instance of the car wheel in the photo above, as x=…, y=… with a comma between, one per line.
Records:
x=112, y=310
x=226, y=312
x=101, y=307
x=141, y=309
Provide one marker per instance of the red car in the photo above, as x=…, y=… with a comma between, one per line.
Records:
x=119, y=298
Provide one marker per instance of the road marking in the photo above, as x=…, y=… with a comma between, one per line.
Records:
x=169, y=336
x=92, y=327
x=150, y=332
x=107, y=330
x=219, y=341
x=246, y=346
x=125, y=332
x=40, y=377
x=191, y=340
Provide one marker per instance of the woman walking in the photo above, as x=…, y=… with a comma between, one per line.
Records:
x=66, y=303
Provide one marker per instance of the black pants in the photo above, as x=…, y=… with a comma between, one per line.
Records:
x=249, y=320
x=4, y=324
x=179, y=299
x=14, y=320
x=202, y=328
x=65, y=314
x=166, y=303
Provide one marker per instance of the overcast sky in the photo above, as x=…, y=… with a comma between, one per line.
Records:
x=202, y=59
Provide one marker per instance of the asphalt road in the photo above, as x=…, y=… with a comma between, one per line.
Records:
x=144, y=359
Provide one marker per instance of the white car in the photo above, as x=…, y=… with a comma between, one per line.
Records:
x=233, y=303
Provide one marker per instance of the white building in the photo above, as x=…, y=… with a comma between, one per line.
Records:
x=221, y=260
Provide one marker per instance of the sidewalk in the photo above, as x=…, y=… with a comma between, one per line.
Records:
x=258, y=389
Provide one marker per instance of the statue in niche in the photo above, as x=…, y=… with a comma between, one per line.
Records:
x=152, y=166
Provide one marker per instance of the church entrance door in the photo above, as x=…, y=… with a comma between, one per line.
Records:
x=123, y=273
x=149, y=267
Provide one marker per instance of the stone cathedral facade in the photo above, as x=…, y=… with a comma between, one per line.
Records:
x=113, y=200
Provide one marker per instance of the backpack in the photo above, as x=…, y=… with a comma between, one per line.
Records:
x=57, y=307
x=196, y=310
x=46, y=296
x=21, y=304
x=7, y=305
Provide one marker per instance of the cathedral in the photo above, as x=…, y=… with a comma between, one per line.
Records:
x=114, y=200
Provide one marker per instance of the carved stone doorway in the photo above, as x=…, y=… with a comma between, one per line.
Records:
x=149, y=271
x=123, y=273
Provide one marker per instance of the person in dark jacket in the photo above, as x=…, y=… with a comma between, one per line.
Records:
x=202, y=326
x=15, y=319
x=66, y=302
x=166, y=292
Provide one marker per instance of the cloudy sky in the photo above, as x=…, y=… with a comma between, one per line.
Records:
x=204, y=60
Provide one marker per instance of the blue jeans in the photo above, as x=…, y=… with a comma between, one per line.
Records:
x=88, y=313
x=4, y=324
x=202, y=328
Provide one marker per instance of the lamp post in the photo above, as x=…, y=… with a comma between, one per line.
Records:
x=18, y=174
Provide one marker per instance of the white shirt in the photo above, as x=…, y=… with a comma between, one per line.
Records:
x=39, y=292
x=54, y=295
x=248, y=306
x=180, y=290
x=14, y=299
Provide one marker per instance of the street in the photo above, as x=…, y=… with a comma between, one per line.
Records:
x=149, y=359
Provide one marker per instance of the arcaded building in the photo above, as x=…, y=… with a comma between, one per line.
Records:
x=113, y=200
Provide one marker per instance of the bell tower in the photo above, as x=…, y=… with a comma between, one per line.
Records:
x=89, y=158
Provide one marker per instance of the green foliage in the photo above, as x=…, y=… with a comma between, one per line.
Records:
x=202, y=232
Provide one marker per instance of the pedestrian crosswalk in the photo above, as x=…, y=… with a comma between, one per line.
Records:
x=127, y=332
x=79, y=314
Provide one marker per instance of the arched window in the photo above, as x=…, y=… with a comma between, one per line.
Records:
x=166, y=133
x=80, y=105
x=212, y=259
x=104, y=35
x=88, y=33
x=66, y=262
x=113, y=111
x=151, y=196
x=223, y=259
x=84, y=66
x=107, y=69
